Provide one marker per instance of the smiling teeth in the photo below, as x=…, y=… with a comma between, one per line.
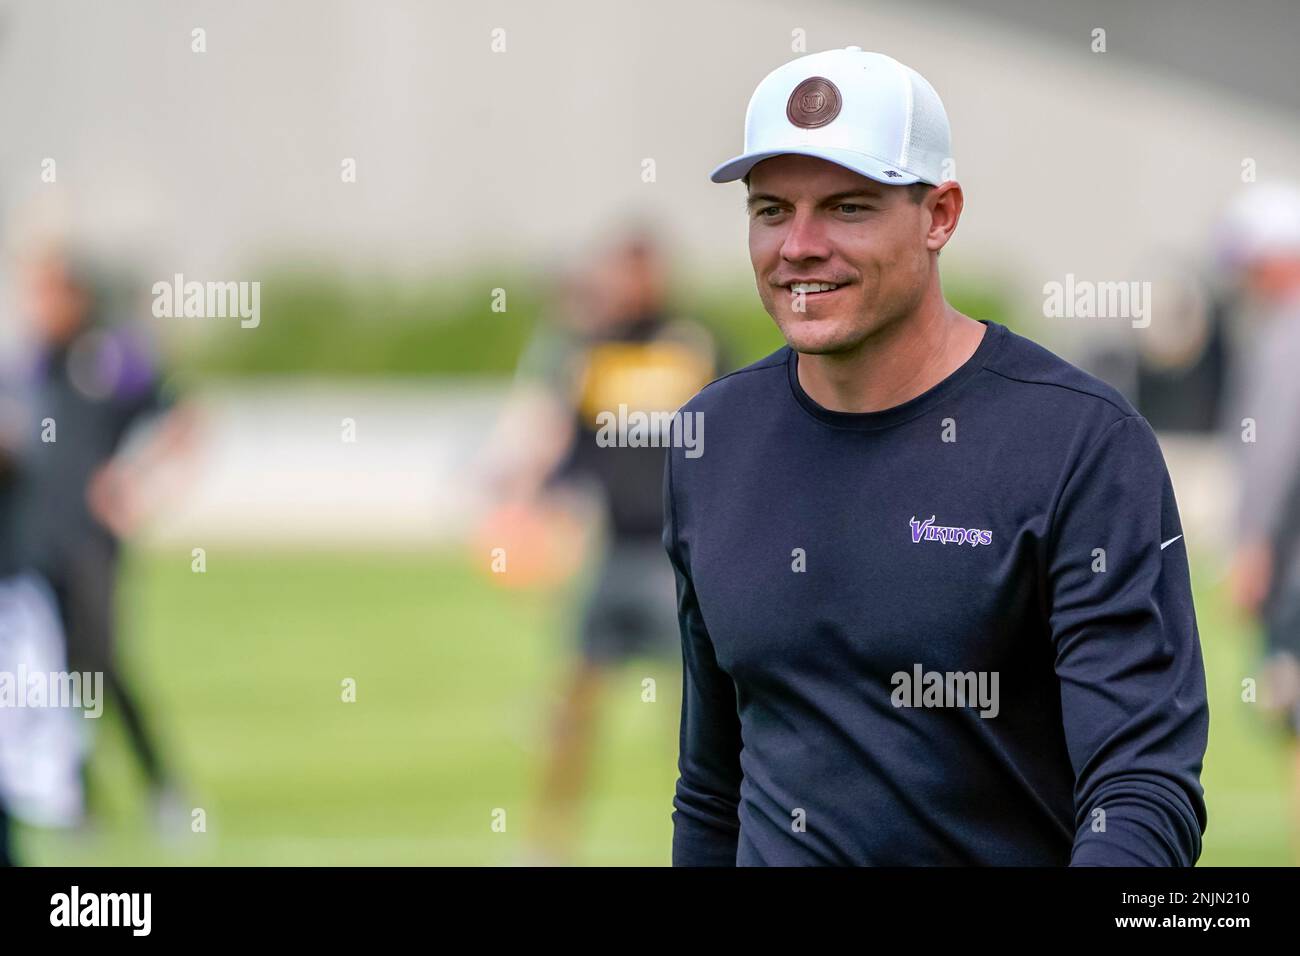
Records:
x=805, y=287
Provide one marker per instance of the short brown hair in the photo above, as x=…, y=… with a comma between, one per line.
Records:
x=918, y=191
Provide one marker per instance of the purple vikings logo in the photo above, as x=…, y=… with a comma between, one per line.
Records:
x=926, y=531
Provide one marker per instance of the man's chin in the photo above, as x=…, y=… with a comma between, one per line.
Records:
x=820, y=336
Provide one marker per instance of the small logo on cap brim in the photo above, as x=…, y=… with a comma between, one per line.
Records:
x=813, y=103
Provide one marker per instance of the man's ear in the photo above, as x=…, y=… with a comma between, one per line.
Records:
x=944, y=204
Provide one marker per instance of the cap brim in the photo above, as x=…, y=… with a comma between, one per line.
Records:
x=868, y=166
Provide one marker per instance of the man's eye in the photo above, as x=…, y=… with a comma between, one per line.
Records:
x=851, y=207
x=762, y=213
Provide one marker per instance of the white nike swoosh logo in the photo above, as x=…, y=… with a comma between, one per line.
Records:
x=1169, y=542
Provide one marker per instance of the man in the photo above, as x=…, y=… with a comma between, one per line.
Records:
x=1259, y=246
x=93, y=384
x=42, y=741
x=933, y=592
x=617, y=344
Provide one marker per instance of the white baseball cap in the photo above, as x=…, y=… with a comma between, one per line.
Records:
x=1262, y=221
x=864, y=111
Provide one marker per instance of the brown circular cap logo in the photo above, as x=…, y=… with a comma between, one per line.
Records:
x=814, y=102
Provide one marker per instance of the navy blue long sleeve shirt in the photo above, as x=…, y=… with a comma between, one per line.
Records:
x=958, y=631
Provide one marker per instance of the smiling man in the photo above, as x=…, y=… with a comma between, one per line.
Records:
x=932, y=587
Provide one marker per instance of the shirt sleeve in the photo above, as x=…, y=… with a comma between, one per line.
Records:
x=706, y=823
x=139, y=393
x=1288, y=527
x=1270, y=396
x=1128, y=656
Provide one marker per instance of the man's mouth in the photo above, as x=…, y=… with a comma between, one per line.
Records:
x=813, y=290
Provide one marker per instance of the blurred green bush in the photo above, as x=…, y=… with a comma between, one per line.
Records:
x=321, y=323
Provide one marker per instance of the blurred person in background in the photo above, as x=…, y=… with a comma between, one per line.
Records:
x=1173, y=369
x=612, y=341
x=10, y=566
x=93, y=386
x=42, y=738
x=1259, y=244
x=1182, y=358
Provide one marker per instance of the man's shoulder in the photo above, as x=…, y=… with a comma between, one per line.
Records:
x=1036, y=377
x=1050, y=381
x=740, y=387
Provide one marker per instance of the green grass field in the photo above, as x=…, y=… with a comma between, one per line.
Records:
x=242, y=669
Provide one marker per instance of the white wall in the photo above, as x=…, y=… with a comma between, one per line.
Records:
x=1072, y=161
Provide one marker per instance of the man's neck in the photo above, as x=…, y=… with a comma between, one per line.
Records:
x=896, y=364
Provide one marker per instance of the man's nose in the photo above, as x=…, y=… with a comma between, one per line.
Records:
x=806, y=238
